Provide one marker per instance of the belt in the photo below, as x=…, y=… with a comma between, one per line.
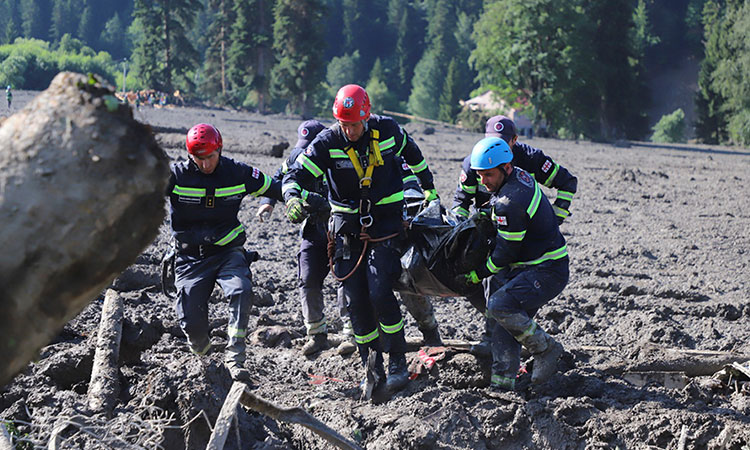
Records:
x=200, y=251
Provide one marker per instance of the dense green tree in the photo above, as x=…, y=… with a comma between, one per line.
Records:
x=670, y=128
x=450, y=96
x=11, y=21
x=363, y=26
x=214, y=81
x=297, y=45
x=380, y=95
x=112, y=38
x=163, y=56
x=62, y=19
x=405, y=23
x=711, y=120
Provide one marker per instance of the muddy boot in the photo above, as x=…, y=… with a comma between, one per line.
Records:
x=398, y=375
x=545, y=362
x=347, y=345
x=237, y=371
x=484, y=347
x=431, y=338
x=315, y=343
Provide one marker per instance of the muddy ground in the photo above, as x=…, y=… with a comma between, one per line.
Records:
x=660, y=259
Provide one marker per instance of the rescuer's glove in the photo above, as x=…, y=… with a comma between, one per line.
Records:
x=295, y=210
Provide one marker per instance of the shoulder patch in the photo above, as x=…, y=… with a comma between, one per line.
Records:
x=405, y=166
x=309, y=150
x=546, y=166
x=463, y=177
x=501, y=221
x=525, y=178
x=256, y=173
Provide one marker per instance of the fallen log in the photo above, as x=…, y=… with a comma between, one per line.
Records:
x=104, y=387
x=81, y=195
x=296, y=415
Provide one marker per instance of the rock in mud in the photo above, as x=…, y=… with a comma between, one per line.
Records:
x=81, y=195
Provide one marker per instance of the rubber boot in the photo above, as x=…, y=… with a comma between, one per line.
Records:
x=398, y=375
x=235, y=364
x=200, y=347
x=546, y=352
x=315, y=343
x=431, y=337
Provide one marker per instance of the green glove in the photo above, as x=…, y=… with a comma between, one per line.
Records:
x=295, y=210
x=430, y=195
x=469, y=279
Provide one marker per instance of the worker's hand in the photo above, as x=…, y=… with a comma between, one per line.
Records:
x=468, y=279
x=264, y=212
x=295, y=210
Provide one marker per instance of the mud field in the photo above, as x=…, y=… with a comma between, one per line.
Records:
x=657, y=303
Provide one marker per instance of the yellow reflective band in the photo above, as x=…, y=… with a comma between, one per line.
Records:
x=469, y=189
x=344, y=209
x=560, y=212
x=309, y=165
x=366, y=338
x=409, y=178
x=284, y=167
x=548, y=181
x=236, y=332
x=337, y=153
x=505, y=382
x=403, y=145
x=419, y=167
x=535, y=200
x=463, y=212
x=388, y=143
x=316, y=327
x=231, y=190
x=565, y=195
x=291, y=185
x=512, y=235
x=189, y=192
x=230, y=236
x=264, y=188
x=391, y=329
x=554, y=254
x=492, y=267
x=528, y=332
x=393, y=198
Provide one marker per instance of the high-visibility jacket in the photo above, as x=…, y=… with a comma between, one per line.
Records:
x=204, y=207
x=329, y=155
x=527, y=230
x=543, y=168
x=318, y=185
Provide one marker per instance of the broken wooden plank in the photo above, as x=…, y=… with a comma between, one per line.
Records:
x=298, y=416
x=226, y=417
x=104, y=387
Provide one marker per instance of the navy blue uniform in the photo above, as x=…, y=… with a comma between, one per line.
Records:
x=540, y=166
x=312, y=258
x=529, y=266
x=373, y=308
x=209, y=240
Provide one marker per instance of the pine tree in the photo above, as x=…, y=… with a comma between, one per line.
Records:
x=215, y=59
x=111, y=38
x=450, y=96
x=164, y=55
x=298, y=45
x=11, y=27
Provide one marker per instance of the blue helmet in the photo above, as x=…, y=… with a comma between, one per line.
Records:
x=489, y=153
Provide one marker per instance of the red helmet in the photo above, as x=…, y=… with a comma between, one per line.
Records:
x=352, y=104
x=203, y=139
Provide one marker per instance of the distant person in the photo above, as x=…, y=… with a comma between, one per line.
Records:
x=205, y=194
x=471, y=192
x=9, y=96
x=527, y=268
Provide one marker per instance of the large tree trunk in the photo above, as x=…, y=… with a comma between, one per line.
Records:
x=81, y=195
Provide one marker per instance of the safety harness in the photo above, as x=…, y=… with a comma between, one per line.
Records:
x=370, y=160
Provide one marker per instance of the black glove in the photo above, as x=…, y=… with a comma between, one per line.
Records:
x=317, y=205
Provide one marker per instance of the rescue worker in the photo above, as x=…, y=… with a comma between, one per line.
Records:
x=359, y=156
x=205, y=194
x=540, y=166
x=9, y=96
x=312, y=258
x=528, y=266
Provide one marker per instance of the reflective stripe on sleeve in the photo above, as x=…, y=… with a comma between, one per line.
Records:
x=393, y=198
x=548, y=181
x=535, y=200
x=337, y=153
x=419, y=167
x=492, y=267
x=309, y=165
x=459, y=211
x=565, y=195
x=264, y=188
x=388, y=143
x=554, y=254
x=469, y=189
x=512, y=235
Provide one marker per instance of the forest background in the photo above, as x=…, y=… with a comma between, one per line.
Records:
x=580, y=69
